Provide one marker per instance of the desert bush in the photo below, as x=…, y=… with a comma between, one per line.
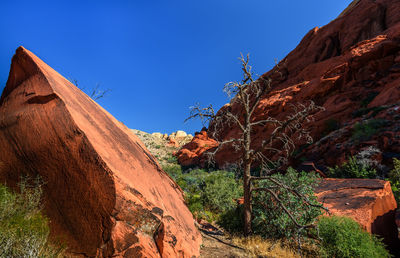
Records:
x=363, y=131
x=173, y=170
x=232, y=220
x=24, y=230
x=366, y=157
x=343, y=237
x=220, y=190
x=394, y=178
x=269, y=220
x=207, y=194
x=353, y=168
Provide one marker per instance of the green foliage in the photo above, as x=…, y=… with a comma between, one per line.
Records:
x=232, y=220
x=394, y=178
x=173, y=170
x=207, y=193
x=24, y=230
x=270, y=220
x=171, y=159
x=343, y=237
x=352, y=169
x=363, y=131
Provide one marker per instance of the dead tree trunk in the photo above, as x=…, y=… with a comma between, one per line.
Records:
x=247, y=94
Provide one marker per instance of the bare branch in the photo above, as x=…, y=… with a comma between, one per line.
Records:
x=205, y=114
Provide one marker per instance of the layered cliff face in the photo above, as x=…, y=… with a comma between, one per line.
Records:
x=104, y=193
x=351, y=67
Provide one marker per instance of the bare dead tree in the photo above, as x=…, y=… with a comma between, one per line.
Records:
x=276, y=148
x=96, y=93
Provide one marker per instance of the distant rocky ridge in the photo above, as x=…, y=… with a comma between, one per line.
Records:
x=163, y=146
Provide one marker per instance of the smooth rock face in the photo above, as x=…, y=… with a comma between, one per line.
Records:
x=104, y=194
x=351, y=67
x=368, y=201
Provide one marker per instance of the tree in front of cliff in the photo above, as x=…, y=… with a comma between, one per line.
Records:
x=276, y=148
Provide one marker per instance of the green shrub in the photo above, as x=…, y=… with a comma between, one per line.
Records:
x=394, y=178
x=352, y=169
x=365, y=130
x=232, y=220
x=24, y=230
x=220, y=190
x=343, y=237
x=173, y=170
x=207, y=194
x=270, y=220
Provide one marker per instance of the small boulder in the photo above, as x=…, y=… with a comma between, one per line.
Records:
x=368, y=201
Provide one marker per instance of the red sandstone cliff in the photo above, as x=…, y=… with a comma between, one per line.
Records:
x=351, y=67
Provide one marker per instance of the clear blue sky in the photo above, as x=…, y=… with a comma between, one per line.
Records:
x=158, y=57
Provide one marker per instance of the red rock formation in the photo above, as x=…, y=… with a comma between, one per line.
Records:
x=191, y=152
x=351, y=67
x=368, y=201
x=105, y=194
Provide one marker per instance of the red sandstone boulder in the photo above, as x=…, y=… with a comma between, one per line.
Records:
x=368, y=201
x=105, y=194
x=191, y=152
x=351, y=67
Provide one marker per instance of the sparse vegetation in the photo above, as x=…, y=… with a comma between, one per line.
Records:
x=260, y=247
x=207, y=194
x=394, y=178
x=270, y=222
x=343, y=237
x=363, y=131
x=24, y=230
x=353, y=168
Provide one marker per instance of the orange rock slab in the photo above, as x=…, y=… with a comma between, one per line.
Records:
x=368, y=201
x=104, y=193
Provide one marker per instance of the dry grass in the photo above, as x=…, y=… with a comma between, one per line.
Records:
x=257, y=246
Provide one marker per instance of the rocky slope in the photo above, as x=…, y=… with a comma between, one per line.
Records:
x=163, y=146
x=351, y=67
x=104, y=193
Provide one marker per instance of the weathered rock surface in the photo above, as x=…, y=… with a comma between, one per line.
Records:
x=105, y=194
x=351, y=67
x=191, y=153
x=368, y=201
